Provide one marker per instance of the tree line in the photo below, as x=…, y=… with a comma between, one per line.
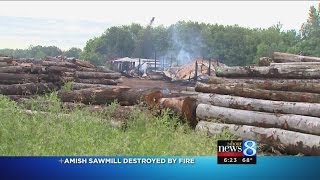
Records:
x=183, y=41
x=232, y=45
x=39, y=52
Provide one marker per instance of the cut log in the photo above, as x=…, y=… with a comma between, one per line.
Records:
x=93, y=75
x=238, y=90
x=286, y=57
x=78, y=86
x=304, y=124
x=136, y=96
x=236, y=102
x=27, y=89
x=269, y=72
x=220, y=80
x=126, y=98
x=59, y=69
x=283, y=140
x=83, y=63
x=192, y=89
x=273, y=85
x=29, y=68
x=97, y=81
x=6, y=59
x=185, y=107
x=20, y=98
x=298, y=64
x=7, y=78
x=98, y=69
x=15, y=69
x=279, y=86
x=103, y=95
x=4, y=64
x=58, y=63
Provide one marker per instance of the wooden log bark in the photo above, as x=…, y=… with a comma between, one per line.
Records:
x=299, y=123
x=58, y=63
x=124, y=95
x=98, y=81
x=59, y=69
x=192, y=89
x=136, y=96
x=78, y=86
x=20, y=98
x=97, y=69
x=15, y=69
x=297, y=87
x=286, y=57
x=297, y=64
x=238, y=90
x=6, y=59
x=236, y=102
x=27, y=89
x=220, y=80
x=4, y=64
x=94, y=75
x=269, y=72
x=279, y=86
x=288, y=142
x=8, y=78
x=185, y=107
x=99, y=95
x=83, y=63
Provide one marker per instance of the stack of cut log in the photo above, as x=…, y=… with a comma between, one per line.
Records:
x=278, y=105
x=27, y=77
x=19, y=79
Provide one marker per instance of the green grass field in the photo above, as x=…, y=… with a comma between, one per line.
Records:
x=81, y=132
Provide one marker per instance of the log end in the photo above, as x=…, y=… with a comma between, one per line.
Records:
x=189, y=111
x=152, y=99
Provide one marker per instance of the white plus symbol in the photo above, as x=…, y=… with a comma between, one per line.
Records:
x=61, y=161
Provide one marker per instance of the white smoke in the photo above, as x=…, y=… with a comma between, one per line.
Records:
x=183, y=57
x=186, y=46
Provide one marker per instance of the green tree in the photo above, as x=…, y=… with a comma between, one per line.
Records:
x=73, y=52
x=310, y=32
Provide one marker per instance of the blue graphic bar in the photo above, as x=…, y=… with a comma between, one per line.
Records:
x=92, y=167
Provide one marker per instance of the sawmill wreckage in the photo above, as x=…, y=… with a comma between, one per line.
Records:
x=136, y=66
x=197, y=69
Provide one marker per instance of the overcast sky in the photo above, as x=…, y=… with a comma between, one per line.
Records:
x=67, y=24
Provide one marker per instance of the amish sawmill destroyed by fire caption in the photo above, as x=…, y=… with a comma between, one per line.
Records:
x=274, y=100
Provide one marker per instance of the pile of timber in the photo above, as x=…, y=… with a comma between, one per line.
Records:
x=196, y=68
x=277, y=103
x=27, y=77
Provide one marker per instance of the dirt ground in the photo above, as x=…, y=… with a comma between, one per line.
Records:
x=148, y=84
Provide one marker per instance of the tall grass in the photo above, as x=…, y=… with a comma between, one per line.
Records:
x=81, y=132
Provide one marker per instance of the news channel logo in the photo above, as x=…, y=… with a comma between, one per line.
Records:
x=237, y=152
x=249, y=148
